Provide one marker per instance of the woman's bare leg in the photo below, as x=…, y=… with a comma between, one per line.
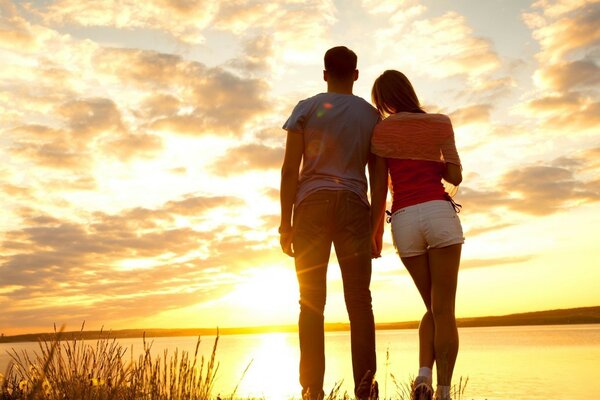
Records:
x=418, y=268
x=443, y=266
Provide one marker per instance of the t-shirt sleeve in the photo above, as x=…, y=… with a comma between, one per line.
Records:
x=295, y=123
x=448, y=147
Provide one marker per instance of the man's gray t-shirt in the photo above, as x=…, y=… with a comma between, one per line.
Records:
x=337, y=131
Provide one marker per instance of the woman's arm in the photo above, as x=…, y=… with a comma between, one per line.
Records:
x=452, y=174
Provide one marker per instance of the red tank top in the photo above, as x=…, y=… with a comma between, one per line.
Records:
x=415, y=181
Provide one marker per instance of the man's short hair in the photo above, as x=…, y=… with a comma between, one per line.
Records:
x=340, y=62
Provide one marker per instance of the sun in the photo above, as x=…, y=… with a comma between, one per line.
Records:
x=269, y=293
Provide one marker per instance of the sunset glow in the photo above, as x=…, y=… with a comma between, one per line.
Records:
x=141, y=147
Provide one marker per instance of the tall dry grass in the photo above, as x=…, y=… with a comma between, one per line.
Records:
x=75, y=369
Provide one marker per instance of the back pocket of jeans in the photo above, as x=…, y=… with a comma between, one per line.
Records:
x=311, y=217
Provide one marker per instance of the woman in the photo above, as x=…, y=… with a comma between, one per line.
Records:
x=419, y=151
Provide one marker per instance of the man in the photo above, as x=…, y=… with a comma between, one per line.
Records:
x=330, y=134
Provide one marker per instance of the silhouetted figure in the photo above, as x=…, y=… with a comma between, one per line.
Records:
x=330, y=134
x=419, y=152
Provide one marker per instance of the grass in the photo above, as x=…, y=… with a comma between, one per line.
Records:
x=77, y=370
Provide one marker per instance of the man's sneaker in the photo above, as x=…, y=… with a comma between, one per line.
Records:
x=374, y=395
x=367, y=389
x=421, y=390
x=307, y=395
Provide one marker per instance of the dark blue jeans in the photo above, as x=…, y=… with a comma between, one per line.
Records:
x=340, y=218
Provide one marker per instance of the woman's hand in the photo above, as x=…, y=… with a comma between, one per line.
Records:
x=377, y=242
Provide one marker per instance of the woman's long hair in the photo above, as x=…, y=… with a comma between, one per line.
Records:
x=392, y=93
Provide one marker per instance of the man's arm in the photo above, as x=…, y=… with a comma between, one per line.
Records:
x=378, y=180
x=294, y=148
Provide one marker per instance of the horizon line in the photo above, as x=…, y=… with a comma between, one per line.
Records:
x=560, y=316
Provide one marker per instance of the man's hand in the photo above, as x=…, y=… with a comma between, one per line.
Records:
x=294, y=150
x=285, y=239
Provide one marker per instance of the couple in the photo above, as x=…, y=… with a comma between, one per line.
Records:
x=333, y=136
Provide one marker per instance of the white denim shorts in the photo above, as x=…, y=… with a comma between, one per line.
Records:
x=432, y=224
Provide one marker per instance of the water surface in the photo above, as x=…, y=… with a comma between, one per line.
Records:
x=530, y=362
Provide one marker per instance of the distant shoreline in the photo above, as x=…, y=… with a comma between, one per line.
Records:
x=571, y=316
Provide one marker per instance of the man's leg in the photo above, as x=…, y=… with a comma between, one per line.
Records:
x=312, y=246
x=352, y=240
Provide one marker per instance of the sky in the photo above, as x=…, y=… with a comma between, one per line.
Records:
x=141, y=147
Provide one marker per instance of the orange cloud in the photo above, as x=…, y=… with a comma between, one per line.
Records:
x=53, y=154
x=192, y=99
x=127, y=146
x=492, y=262
x=258, y=55
x=14, y=30
x=536, y=189
x=248, y=157
x=568, y=73
x=91, y=117
x=445, y=45
x=479, y=113
x=185, y=20
x=563, y=77
x=67, y=271
x=562, y=31
x=295, y=30
x=570, y=112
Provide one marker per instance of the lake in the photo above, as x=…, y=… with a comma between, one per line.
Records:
x=527, y=362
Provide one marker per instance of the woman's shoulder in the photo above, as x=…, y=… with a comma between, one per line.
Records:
x=417, y=122
x=419, y=117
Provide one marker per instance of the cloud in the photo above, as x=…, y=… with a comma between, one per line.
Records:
x=567, y=76
x=72, y=146
x=543, y=190
x=295, y=28
x=568, y=70
x=61, y=270
x=451, y=47
x=238, y=16
x=186, y=19
x=568, y=112
x=192, y=98
x=248, y=157
x=480, y=230
x=14, y=30
x=159, y=105
x=195, y=205
x=535, y=190
x=590, y=159
x=16, y=191
x=93, y=116
x=128, y=146
x=292, y=26
x=475, y=114
x=54, y=154
x=562, y=30
x=492, y=262
x=257, y=56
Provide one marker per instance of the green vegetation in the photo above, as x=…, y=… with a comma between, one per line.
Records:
x=77, y=370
